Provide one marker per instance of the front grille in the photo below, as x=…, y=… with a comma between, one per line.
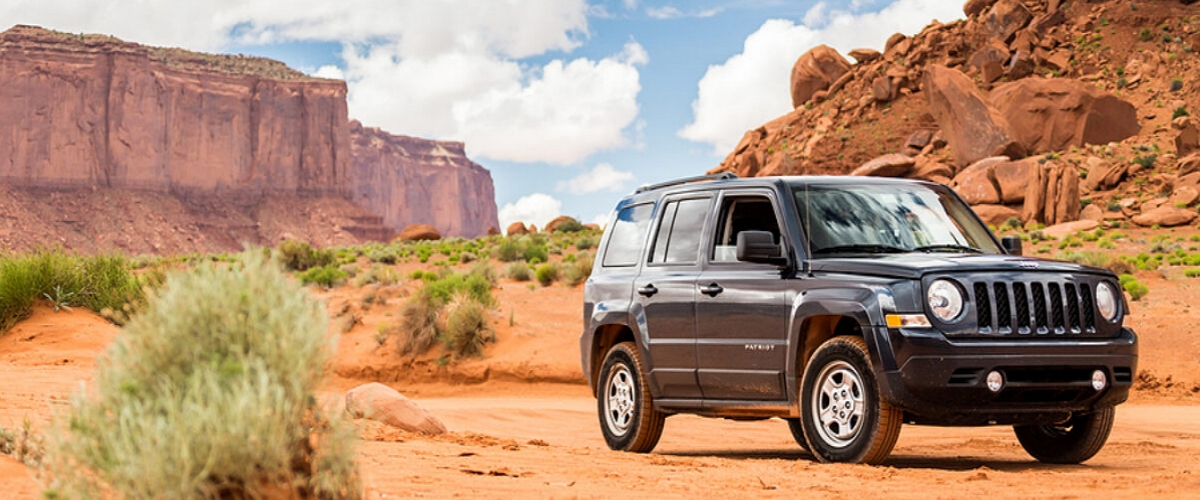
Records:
x=1033, y=307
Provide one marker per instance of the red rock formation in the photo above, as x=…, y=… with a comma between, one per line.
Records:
x=418, y=181
x=1052, y=114
x=816, y=70
x=96, y=111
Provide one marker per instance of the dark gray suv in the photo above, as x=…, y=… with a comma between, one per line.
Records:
x=847, y=306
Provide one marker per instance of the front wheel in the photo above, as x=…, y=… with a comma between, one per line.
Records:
x=627, y=415
x=1071, y=443
x=843, y=417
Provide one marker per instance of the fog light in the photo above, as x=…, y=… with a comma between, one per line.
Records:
x=1099, y=381
x=995, y=381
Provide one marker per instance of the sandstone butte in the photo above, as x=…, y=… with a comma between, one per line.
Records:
x=95, y=112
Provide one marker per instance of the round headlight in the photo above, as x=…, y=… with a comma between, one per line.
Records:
x=1106, y=301
x=945, y=300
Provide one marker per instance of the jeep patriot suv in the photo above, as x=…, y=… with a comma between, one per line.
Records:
x=847, y=306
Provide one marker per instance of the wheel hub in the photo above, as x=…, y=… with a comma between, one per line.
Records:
x=619, y=400
x=839, y=404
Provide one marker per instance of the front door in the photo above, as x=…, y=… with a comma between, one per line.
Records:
x=742, y=308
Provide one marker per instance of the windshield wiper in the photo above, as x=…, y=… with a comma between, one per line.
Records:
x=861, y=249
x=951, y=247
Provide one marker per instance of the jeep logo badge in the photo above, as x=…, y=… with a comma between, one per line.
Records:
x=1028, y=264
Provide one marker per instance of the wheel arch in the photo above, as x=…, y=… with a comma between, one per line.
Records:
x=605, y=337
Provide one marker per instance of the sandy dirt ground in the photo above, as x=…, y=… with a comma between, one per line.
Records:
x=523, y=425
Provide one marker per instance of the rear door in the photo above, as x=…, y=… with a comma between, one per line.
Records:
x=666, y=289
x=742, y=308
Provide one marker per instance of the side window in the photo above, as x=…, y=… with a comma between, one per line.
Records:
x=749, y=213
x=628, y=233
x=678, y=239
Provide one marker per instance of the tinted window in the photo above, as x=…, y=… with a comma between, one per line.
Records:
x=685, y=234
x=664, y=232
x=742, y=214
x=628, y=233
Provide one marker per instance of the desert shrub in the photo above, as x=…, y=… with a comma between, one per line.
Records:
x=1192, y=273
x=300, y=256
x=382, y=256
x=518, y=271
x=585, y=243
x=1096, y=259
x=535, y=252
x=385, y=276
x=585, y=261
x=572, y=275
x=467, y=330
x=1135, y=288
x=570, y=226
x=326, y=276
x=100, y=283
x=509, y=250
x=485, y=271
x=547, y=274
x=1147, y=160
x=23, y=445
x=1179, y=112
x=210, y=392
x=467, y=257
x=428, y=314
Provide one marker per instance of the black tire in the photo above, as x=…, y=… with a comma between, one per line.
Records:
x=627, y=415
x=797, y=427
x=1071, y=443
x=842, y=415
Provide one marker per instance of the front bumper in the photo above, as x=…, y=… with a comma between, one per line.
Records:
x=942, y=382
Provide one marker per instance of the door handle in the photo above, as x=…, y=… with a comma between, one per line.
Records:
x=647, y=290
x=712, y=290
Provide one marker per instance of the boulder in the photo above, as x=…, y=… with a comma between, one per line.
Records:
x=492, y=231
x=884, y=89
x=927, y=169
x=889, y=165
x=972, y=127
x=381, y=403
x=864, y=56
x=419, y=232
x=1103, y=175
x=1052, y=195
x=1184, y=195
x=1005, y=18
x=516, y=228
x=893, y=45
x=975, y=7
x=995, y=215
x=977, y=185
x=1060, y=231
x=816, y=70
x=919, y=139
x=990, y=61
x=1188, y=139
x=1092, y=212
x=1053, y=114
x=592, y=226
x=554, y=225
x=1188, y=164
x=1019, y=66
x=1165, y=216
x=1012, y=178
x=1192, y=180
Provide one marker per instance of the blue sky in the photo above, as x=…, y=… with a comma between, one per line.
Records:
x=569, y=103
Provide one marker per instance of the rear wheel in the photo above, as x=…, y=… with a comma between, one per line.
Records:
x=627, y=415
x=1071, y=443
x=843, y=417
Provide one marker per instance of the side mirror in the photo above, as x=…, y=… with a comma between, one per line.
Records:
x=1011, y=244
x=759, y=247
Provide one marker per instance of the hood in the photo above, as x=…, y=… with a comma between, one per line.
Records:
x=913, y=265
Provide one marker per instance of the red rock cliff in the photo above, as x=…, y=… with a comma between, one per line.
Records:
x=87, y=110
x=418, y=181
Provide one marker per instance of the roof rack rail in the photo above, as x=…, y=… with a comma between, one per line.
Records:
x=687, y=180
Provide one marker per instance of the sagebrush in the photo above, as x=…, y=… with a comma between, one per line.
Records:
x=210, y=393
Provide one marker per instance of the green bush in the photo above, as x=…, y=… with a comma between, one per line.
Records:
x=210, y=393
x=1180, y=111
x=102, y=283
x=569, y=226
x=547, y=274
x=509, y=250
x=518, y=271
x=585, y=243
x=1136, y=289
x=385, y=276
x=326, y=276
x=300, y=256
x=429, y=315
x=1192, y=273
x=535, y=252
x=467, y=329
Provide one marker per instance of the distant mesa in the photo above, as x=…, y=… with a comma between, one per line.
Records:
x=218, y=149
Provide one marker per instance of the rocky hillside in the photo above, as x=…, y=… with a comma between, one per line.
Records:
x=216, y=137
x=1041, y=110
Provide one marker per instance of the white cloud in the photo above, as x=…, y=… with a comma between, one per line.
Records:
x=752, y=87
x=600, y=220
x=601, y=178
x=537, y=208
x=815, y=15
x=670, y=12
x=447, y=69
x=631, y=4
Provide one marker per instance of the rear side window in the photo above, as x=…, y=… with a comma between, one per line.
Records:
x=628, y=233
x=743, y=213
x=678, y=240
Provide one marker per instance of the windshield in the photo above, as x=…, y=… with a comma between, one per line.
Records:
x=889, y=218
